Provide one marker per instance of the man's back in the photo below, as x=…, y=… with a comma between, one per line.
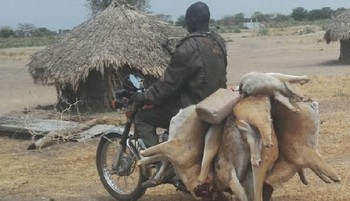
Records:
x=209, y=69
x=196, y=70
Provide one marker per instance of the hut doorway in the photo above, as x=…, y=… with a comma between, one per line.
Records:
x=92, y=91
x=90, y=95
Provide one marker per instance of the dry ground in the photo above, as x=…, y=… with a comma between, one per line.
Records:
x=67, y=171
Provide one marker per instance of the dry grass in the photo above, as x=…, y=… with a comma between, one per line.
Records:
x=17, y=54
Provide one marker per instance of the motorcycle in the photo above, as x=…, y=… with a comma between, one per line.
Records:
x=118, y=150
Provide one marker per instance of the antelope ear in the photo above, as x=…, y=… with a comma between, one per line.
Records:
x=243, y=125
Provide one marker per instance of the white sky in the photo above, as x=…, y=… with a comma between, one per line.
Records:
x=66, y=14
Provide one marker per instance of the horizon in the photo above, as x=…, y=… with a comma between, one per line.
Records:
x=67, y=14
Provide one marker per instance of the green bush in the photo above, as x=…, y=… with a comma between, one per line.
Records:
x=263, y=31
x=6, y=32
x=237, y=30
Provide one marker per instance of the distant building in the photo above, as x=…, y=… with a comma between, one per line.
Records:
x=253, y=25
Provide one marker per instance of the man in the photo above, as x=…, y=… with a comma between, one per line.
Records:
x=196, y=70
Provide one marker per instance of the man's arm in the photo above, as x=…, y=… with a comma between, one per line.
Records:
x=185, y=60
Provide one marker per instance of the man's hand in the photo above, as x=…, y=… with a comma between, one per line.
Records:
x=138, y=98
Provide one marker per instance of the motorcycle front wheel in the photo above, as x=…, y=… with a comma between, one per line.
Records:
x=117, y=168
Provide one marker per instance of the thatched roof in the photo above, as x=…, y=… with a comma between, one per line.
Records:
x=339, y=28
x=118, y=37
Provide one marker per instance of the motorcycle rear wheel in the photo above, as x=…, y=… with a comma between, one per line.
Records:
x=123, y=185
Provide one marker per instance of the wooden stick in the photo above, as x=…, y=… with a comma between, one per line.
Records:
x=53, y=136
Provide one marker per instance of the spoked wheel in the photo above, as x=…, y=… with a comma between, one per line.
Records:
x=117, y=168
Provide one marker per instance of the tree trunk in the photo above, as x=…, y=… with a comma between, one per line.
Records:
x=344, y=51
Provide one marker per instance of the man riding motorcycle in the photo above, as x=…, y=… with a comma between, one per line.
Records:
x=196, y=70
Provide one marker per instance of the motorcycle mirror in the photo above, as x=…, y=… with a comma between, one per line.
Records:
x=135, y=81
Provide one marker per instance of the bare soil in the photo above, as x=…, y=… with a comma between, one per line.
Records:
x=66, y=171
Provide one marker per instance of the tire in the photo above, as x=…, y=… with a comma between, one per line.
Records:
x=123, y=186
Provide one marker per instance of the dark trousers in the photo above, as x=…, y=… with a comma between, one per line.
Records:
x=148, y=119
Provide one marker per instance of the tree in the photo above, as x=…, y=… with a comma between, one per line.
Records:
x=239, y=18
x=315, y=14
x=327, y=12
x=228, y=20
x=163, y=17
x=96, y=6
x=280, y=18
x=318, y=14
x=299, y=14
x=25, y=30
x=42, y=31
x=142, y=5
x=339, y=10
x=260, y=17
x=181, y=21
x=6, y=32
x=212, y=21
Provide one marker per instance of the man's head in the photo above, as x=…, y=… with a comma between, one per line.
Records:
x=197, y=17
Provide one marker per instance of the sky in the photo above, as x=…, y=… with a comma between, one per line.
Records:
x=66, y=14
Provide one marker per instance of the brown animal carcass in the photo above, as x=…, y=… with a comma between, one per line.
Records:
x=242, y=143
x=187, y=136
x=255, y=110
x=274, y=85
x=184, y=149
x=297, y=136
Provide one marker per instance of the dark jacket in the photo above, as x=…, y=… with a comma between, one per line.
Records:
x=196, y=70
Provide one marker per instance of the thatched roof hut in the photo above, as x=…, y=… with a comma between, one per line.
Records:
x=88, y=63
x=339, y=29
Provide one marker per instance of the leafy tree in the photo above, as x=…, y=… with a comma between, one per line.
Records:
x=212, y=21
x=299, y=14
x=327, y=12
x=281, y=18
x=262, y=17
x=258, y=16
x=318, y=14
x=228, y=20
x=315, y=14
x=163, y=17
x=239, y=18
x=42, y=31
x=181, y=21
x=96, y=6
x=25, y=30
x=142, y=5
x=6, y=32
x=339, y=10
x=63, y=31
x=231, y=20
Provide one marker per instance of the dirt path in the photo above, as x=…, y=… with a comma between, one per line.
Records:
x=17, y=90
x=67, y=171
